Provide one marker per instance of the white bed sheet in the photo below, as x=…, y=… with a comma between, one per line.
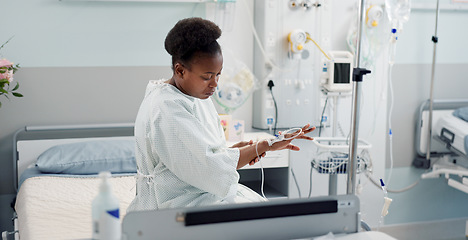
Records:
x=60, y=207
x=456, y=126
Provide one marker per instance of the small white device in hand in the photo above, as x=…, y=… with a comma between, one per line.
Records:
x=281, y=136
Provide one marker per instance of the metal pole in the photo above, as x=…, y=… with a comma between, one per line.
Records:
x=352, y=165
x=333, y=177
x=431, y=95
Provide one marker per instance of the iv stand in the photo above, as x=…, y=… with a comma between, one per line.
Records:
x=358, y=73
x=435, y=39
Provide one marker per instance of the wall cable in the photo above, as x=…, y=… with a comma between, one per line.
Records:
x=321, y=118
x=295, y=181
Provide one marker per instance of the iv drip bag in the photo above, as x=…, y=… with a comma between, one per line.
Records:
x=398, y=12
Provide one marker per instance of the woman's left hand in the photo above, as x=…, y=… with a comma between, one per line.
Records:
x=248, y=143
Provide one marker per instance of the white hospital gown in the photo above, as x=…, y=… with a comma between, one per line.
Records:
x=181, y=153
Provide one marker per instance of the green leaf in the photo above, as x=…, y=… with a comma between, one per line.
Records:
x=17, y=94
x=2, y=70
x=4, y=81
x=3, y=90
x=0, y=104
x=6, y=42
x=16, y=87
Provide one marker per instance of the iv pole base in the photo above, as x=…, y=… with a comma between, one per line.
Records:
x=421, y=162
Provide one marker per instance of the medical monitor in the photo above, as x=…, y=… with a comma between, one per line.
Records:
x=276, y=219
x=338, y=72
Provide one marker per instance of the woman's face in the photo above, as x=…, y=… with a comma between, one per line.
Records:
x=201, y=79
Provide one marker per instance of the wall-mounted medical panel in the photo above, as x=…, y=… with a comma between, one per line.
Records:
x=287, y=59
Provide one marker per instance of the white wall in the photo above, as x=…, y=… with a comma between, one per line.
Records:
x=415, y=45
x=53, y=33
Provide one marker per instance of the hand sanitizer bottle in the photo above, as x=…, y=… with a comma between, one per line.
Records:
x=105, y=211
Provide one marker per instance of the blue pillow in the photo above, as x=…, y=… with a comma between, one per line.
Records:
x=89, y=157
x=461, y=113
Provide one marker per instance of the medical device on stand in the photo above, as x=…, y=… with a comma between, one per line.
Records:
x=336, y=82
x=337, y=74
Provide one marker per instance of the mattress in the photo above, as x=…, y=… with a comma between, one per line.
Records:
x=456, y=126
x=53, y=207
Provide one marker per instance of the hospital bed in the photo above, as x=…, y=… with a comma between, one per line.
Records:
x=57, y=204
x=449, y=148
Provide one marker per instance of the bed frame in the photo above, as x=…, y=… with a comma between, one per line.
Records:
x=438, y=148
x=450, y=161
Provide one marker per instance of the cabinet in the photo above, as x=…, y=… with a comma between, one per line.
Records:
x=276, y=170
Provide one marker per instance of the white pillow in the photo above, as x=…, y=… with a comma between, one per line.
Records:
x=89, y=157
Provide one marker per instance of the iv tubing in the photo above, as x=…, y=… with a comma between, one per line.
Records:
x=261, y=167
x=390, y=133
x=299, y=131
x=373, y=181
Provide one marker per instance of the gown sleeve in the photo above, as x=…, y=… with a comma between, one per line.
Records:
x=196, y=155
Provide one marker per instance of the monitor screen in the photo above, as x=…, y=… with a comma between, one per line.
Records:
x=341, y=73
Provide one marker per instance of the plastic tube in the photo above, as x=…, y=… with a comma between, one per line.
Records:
x=391, y=61
x=318, y=46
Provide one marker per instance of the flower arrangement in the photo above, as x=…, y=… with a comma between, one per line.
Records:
x=7, y=69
